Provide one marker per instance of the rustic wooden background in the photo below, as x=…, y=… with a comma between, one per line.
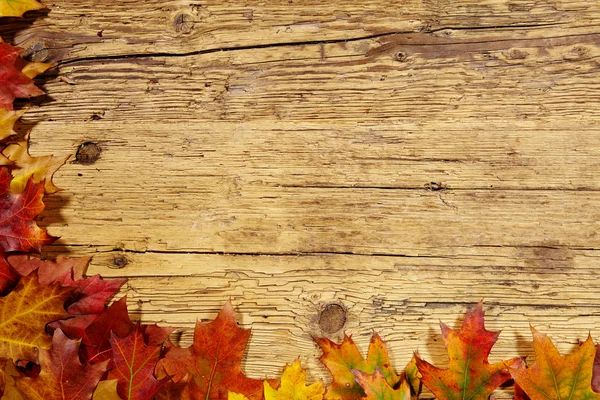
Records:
x=401, y=160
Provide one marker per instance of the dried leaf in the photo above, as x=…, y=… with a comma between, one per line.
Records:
x=134, y=363
x=16, y=8
x=211, y=366
x=25, y=313
x=342, y=359
x=18, y=230
x=63, y=377
x=106, y=390
x=293, y=386
x=556, y=377
x=24, y=167
x=470, y=375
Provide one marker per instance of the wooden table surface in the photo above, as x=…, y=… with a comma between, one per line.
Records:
x=403, y=160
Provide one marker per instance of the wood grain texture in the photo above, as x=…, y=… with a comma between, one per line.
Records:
x=401, y=160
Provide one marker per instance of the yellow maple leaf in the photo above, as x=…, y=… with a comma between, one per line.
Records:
x=24, y=315
x=106, y=390
x=7, y=122
x=236, y=396
x=16, y=8
x=293, y=386
x=24, y=166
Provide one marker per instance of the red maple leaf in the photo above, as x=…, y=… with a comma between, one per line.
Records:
x=134, y=362
x=8, y=277
x=96, y=341
x=211, y=366
x=18, y=230
x=13, y=83
x=62, y=375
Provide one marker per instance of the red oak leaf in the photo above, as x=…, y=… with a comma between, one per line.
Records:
x=62, y=377
x=96, y=340
x=18, y=230
x=211, y=366
x=469, y=375
x=14, y=83
x=134, y=363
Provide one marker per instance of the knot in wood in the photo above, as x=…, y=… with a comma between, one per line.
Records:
x=332, y=318
x=183, y=23
x=88, y=153
x=120, y=262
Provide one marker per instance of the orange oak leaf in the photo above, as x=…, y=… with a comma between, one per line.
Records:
x=16, y=8
x=342, y=359
x=24, y=314
x=470, y=375
x=62, y=376
x=211, y=366
x=42, y=168
x=14, y=81
x=134, y=363
x=377, y=388
x=18, y=230
x=556, y=377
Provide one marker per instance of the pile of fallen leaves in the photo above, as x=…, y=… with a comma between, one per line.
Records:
x=59, y=339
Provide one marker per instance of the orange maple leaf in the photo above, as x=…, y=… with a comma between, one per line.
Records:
x=556, y=377
x=470, y=375
x=211, y=366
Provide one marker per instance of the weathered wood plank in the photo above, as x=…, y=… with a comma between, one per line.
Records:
x=552, y=81
x=83, y=28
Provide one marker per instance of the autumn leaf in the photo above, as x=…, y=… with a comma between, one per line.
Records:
x=342, y=359
x=556, y=377
x=18, y=230
x=236, y=396
x=7, y=123
x=62, y=377
x=469, y=375
x=25, y=312
x=88, y=298
x=134, y=363
x=211, y=366
x=9, y=386
x=24, y=167
x=377, y=388
x=8, y=277
x=16, y=8
x=106, y=390
x=96, y=345
x=14, y=83
x=293, y=386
